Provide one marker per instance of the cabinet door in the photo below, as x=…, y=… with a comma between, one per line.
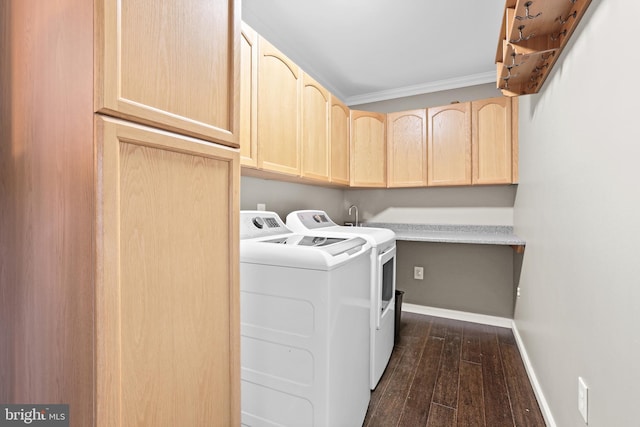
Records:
x=407, y=149
x=167, y=293
x=491, y=141
x=339, y=142
x=279, y=86
x=173, y=65
x=315, y=130
x=248, y=97
x=449, y=147
x=368, y=149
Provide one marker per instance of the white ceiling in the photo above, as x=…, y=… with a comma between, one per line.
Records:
x=372, y=50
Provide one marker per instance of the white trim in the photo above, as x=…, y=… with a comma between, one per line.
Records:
x=503, y=322
x=537, y=389
x=419, y=89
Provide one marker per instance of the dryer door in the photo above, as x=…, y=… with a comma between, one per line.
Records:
x=386, y=284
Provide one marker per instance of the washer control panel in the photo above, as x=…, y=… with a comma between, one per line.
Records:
x=261, y=223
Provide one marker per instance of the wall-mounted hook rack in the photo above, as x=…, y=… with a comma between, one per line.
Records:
x=549, y=25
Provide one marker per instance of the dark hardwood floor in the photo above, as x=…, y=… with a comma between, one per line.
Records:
x=446, y=372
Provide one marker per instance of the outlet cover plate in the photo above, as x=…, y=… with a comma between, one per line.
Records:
x=418, y=273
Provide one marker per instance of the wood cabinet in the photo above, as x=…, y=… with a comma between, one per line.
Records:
x=248, y=97
x=167, y=311
x=449, y=147
x=119, y=249
x=368, y=149
x=339, y=142
x=279, y=88
x=491, y=141
x=407, y=149
x=175, y=67
x=315, y=148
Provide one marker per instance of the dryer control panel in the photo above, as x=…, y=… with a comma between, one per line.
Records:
x=312, y=220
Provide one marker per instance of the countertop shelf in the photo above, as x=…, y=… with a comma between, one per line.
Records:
x=440, y=233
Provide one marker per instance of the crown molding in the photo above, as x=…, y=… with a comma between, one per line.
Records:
x=420, y=89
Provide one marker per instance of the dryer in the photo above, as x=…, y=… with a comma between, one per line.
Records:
x=383, y=279
x=304, y=325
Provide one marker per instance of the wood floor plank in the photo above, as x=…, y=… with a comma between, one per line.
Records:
x=470, y=398
x=441, y=416
x=378, y=393
x=471, y=343
x=416, y=409
x=526, y=411
x=493, y=389
x=505, y=335
x=497, y=407
x=397, y=390
x=446, y=389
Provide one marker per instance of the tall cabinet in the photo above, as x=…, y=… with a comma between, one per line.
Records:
x=123, y=197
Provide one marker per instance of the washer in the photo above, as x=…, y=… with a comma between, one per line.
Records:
x=383, y=279
x=305, y=312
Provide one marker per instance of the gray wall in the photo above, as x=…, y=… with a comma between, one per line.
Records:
x=372, y=203
x=471, y=278
x=284, y=197
x=578, y=207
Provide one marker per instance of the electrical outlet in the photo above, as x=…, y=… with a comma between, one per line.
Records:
x=518, y=291
x=262, y=207
x=418, y=273
x=583, y=399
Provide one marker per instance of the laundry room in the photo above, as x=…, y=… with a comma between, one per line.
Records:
x=361, y=213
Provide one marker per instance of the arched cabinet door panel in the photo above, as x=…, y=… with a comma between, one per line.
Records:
x=407, y=149
x=316, y=101
x=279, y=100
x=449, y=147
x=492, y=148
x=368, y=149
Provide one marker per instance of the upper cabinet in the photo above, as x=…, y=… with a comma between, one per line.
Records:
x=339, y=142
x=407, y=149
x=279, y=96
x=294, y=129
x=491, y=141
x=151, y=70
x=368, y=149
x=248, y=97
x=449, y=148
x=316, y=101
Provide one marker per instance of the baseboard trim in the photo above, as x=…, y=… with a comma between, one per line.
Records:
x=485, y=319
x=493, y=321
x=537, y=389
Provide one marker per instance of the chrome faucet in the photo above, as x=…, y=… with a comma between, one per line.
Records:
x=356, y=208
